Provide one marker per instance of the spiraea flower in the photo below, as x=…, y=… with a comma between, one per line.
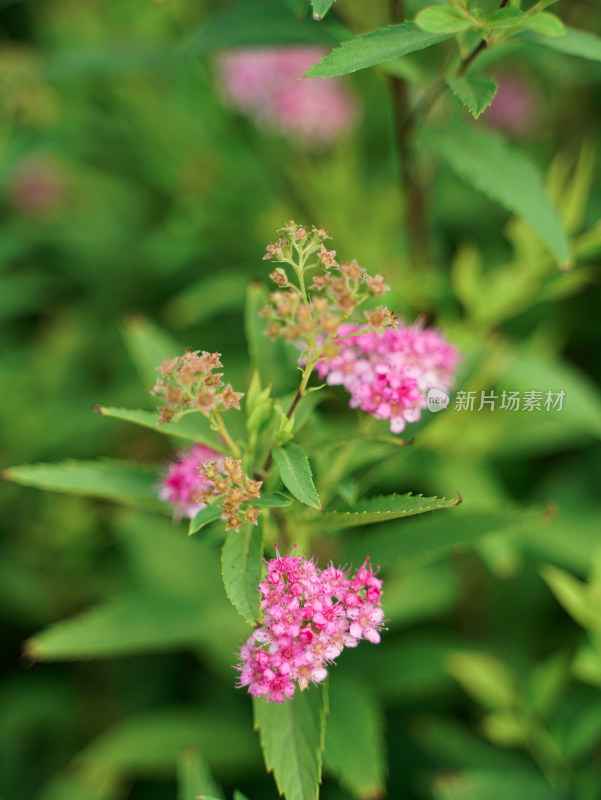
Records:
x=267, y=85
x=183, y=485
x=190, y=382
x=316, y=292
x=309, y=617
x=389, y=375
x=225, y=483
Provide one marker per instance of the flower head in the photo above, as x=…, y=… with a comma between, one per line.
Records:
x=267, y=85
x=389, y=375
x=309, y=617
x=183, y=484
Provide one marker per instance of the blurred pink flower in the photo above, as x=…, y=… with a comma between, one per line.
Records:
x=183, y=482
x=267, y=85
x=516, y=107
x=389, y=375
x=35, y=185
x=310, y=615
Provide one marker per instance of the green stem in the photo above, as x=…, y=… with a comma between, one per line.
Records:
x=222, y=429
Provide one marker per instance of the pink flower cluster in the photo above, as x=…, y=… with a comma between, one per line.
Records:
x=184, y=483
x=265, y=84
x=389, y=375
x=310, y=616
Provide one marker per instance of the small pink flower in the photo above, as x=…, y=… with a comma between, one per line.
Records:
x=388, y=375
x=310, y=616
x=183, y=481
x=267, y=85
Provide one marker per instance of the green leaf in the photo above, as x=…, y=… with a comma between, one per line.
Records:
x=433, y=537
x=295, y=472
x=474, y=91
x=494, y=785
x=175, y=600
x=498, y=170
x=272, y=359
x=383, y=509
x=193, y=777
x=573, y=596
x=272, y=500
x=121, y=481
x=292, y=738
x=505, y=18
x=241, y=561
x=260, y=23
x=442, y=19
x=149, y=744
x=359, y=760
x=205, y=516
x=148, y=347
x=484, y=678
x=573, y=43
x=545, y=24
x=321, y=8
x=374, y=48
x=207, y=299
x=193, y=427
x=239, y=796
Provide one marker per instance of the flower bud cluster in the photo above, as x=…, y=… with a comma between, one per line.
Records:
x=390, y=375
x=223, y=481
x=316, y=305
x=310, y=616
x=189, y=382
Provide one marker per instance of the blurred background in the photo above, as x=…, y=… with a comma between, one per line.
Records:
x=143, y=168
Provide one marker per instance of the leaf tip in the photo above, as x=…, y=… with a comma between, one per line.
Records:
x=97, y=408
x=459, y=499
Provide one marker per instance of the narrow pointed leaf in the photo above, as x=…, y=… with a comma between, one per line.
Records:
x=474, y=91
x=295, y=472
x=272, y=500
x=204, y=517
x=292, y=739
x=321, y=8
x=193, y=427
x=359, y=760
x=383, y=509
x=572, y=43
x=504, y=174
x=194, y=778
x=374, y=48
x=109, y=479
x=241, y=560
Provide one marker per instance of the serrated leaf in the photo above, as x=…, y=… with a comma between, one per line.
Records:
x=474, y=91
x=193, y=427
x=357, y=761
x=504, y=174
x=295, y=472
x=374, y=48
x=434, y=536
x=194, y=778
x=272, y=500
x=292, y=739
x=321, y=8
x=545, y=25
x=442, y=19
x=109, y=479
x=383, y=509
x=572, y=43
x=204, y=517
x=241, y=561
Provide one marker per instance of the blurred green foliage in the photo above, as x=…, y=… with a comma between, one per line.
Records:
x=135, y=208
